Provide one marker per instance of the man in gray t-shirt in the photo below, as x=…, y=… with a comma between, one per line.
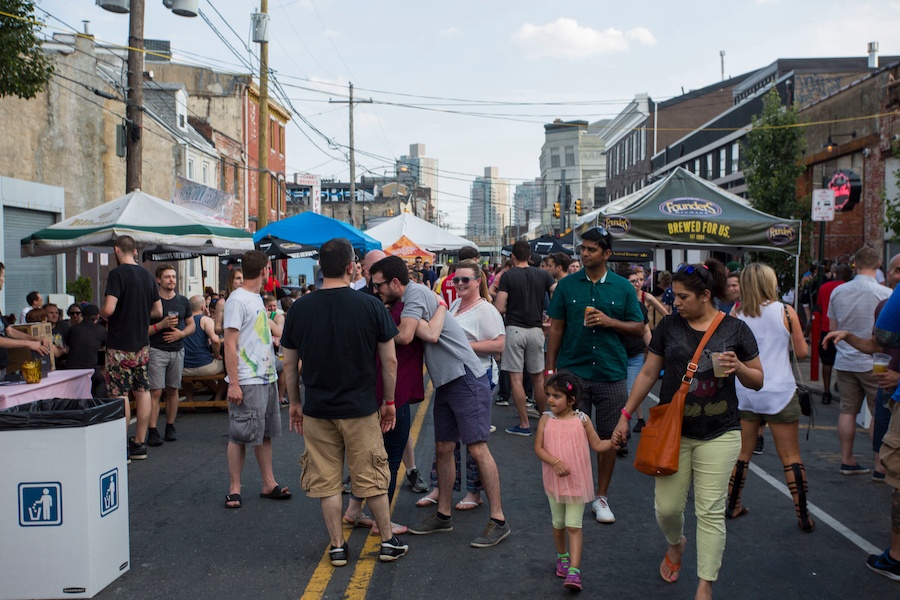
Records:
x=462, y=398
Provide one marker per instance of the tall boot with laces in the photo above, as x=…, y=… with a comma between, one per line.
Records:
x=795, y=475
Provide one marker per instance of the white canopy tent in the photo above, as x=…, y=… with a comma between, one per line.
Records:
x=424, y=234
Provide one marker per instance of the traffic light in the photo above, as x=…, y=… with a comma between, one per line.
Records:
x=578, y=207
x=556, y=211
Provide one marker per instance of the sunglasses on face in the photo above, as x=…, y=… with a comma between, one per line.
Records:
x=74, y=312
x=377, y=286
x=702, y=271
x=458, y=280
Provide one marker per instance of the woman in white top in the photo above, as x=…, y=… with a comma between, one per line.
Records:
x=775, y=326
x=486, y=334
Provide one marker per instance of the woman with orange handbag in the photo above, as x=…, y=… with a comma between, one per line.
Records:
x=710, y=437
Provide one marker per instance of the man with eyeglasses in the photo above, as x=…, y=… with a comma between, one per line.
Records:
x=520, y=298
x=462, y=398
x=590, y=310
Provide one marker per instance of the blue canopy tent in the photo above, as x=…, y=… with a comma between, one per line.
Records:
x=311, y=229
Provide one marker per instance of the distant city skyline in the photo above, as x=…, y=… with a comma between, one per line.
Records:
x=476, y=82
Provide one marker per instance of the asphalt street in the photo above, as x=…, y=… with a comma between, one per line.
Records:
x=186, y=544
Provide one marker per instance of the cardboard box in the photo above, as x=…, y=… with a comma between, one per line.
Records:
x=19, y=355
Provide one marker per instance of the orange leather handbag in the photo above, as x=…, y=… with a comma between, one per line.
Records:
x=660, y=444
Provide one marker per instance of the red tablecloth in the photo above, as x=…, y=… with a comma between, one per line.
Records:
x=74, y=383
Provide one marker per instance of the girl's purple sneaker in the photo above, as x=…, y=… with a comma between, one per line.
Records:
x=562, y=566
x=573, y=582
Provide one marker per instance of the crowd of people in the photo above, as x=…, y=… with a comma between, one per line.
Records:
x=575, y=345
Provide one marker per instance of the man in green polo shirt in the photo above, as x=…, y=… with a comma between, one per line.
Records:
x=590, y=309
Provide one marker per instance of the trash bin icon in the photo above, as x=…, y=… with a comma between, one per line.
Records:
x=63, y=498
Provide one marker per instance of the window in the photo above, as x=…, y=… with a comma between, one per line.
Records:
x=554, y=160
x=205, y=172
x=696, y=169
x=272, y=139
x=281, y=138
x=723, y=163
x=570, y=156
x=190, y=169
x=181, y=121
x=709, y=167
x=735, y=157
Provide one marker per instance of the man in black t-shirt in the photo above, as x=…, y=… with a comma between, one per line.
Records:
x=131, y=299
x=84, y=341
x=337, y=333
x=167, y=352
x=520, y=298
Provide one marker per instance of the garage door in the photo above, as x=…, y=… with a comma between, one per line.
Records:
x=25, y=274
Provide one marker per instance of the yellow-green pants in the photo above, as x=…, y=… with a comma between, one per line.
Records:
x=708, y=465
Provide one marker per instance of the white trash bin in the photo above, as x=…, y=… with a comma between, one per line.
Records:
x=63, y=498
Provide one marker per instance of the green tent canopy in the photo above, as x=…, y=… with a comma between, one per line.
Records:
x=685, y=211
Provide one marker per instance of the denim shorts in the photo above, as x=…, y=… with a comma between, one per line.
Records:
x=462, y=409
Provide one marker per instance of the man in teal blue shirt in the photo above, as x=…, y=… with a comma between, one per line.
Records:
x=590, y=310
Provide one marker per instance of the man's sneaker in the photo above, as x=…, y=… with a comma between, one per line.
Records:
x=136, y=451
x=760, y=445
x=339, y=556
x=573, y=582
x=885, y=565
x=416, y=483
x=153, y=437
x=856, y=469
x=602, y=513
x=492, y=535
x=562, y=566
x=640, y=425
x=170, y=433
x=876, y=476
x=501, y=401
x=392, y=550
x=523, y=431
x=432, y=524
x=533, y=412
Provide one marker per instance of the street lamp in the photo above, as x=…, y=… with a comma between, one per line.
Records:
x=134, y=116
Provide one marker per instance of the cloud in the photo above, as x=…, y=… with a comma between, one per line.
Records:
x=565, y=38
x=450, y=33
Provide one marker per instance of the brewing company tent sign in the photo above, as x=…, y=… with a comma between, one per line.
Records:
x=686, y=211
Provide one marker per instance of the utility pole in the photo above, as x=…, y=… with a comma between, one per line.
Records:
x=354, y=219
x=134, y=115
x=262, y=174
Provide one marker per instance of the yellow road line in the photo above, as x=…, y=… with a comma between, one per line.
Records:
x=365, y=564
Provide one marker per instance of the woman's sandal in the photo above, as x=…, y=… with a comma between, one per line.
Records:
x=426, y=501
x=360, y=520
x=742, y=512
x=674, y=568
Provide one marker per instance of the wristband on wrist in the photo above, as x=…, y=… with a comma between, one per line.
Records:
x=389, y=402
x=549, y=371
x=627, y=414
x=155, y=329
x=556, y=463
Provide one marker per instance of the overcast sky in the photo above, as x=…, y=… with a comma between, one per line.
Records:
x=478, y=79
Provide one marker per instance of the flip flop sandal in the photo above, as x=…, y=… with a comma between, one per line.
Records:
x=395, y=529
x=467, y=505
x=426, y=501
x=674, y=568
x=233, y=498
x=277, y=493
x=362, y=520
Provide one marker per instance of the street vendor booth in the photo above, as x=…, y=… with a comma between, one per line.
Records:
x=685, y=211
x=420, y=232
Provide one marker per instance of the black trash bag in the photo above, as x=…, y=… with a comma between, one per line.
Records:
x=59, y=413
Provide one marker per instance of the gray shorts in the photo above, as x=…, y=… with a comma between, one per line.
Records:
x=523, y=351
x=164, y=368
x=258, y=416
x=608, y=399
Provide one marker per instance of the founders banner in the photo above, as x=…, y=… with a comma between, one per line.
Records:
x=684, y=210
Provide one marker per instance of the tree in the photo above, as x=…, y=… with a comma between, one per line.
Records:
x=24, y=68
x=771, y=167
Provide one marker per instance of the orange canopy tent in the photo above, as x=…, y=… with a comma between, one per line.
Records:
x=406, y=249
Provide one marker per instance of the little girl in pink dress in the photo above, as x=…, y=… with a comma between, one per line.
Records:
x=563, y=442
